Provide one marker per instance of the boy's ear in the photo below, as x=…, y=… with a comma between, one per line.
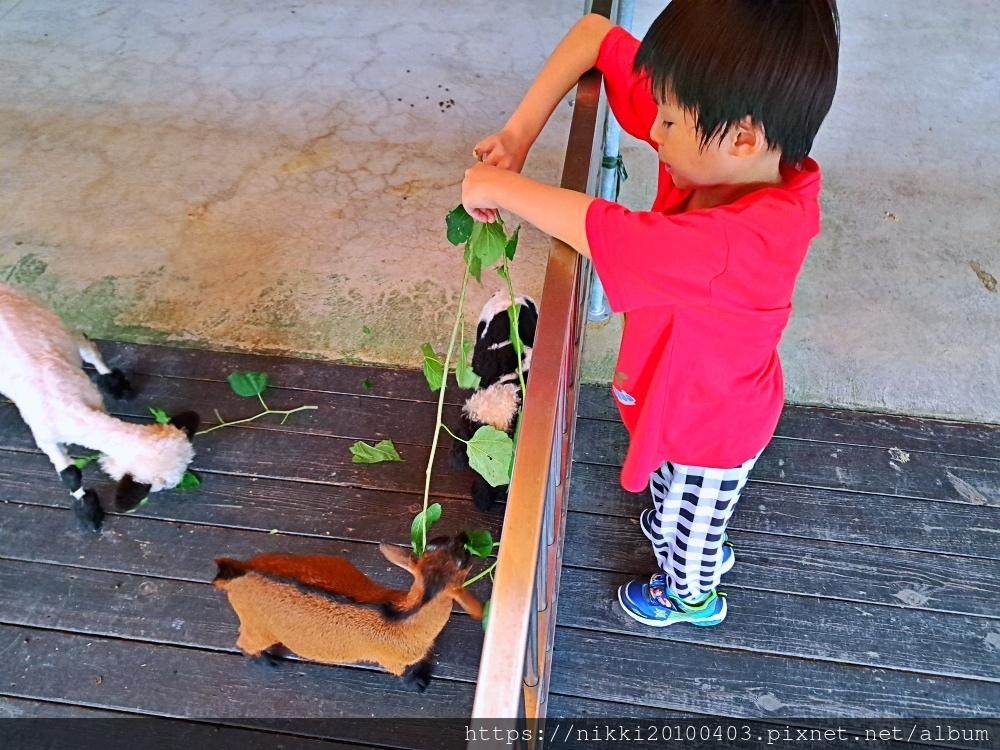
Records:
x=748, y=138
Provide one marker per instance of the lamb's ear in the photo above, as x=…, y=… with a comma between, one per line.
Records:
x=187, y=421
x=399, y=556
x=130, y=493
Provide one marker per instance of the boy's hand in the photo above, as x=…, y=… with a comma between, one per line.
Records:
x=502, y=150
x=478, y=191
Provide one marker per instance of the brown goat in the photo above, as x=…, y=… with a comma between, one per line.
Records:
x=324, y=609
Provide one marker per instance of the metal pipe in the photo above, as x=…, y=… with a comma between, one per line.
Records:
x=599, y=310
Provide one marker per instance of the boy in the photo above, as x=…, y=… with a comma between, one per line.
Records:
x=731, y=94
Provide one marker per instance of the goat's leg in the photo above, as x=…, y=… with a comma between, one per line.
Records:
x=110, y=382
x=418, y=676
x=86, y=504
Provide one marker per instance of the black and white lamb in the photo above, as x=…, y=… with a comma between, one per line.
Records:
x=497, y=399
x=40, y=371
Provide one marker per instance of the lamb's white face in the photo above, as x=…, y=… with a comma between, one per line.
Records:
x=160, y=460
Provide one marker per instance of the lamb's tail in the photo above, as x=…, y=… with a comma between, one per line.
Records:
x=228, y=570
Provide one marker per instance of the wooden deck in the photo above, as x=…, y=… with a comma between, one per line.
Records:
x=867, y=581
x=127, y=622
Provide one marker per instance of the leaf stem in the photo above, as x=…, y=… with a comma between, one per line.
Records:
x=515, y=332
x=223, y=423
x=440, y=409
x=487, y=572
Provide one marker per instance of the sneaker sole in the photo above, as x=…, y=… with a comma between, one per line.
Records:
x=727, y=563
x=663, y=623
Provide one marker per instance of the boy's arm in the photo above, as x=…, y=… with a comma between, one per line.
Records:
x=573, y=56
x=556, y=211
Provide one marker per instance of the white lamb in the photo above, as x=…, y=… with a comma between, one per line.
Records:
x=40, y=371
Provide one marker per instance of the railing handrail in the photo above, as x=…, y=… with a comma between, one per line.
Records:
x=499, y=693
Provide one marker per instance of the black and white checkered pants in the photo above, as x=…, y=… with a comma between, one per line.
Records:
x=692, y=509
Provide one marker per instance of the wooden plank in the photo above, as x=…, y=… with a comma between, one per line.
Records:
x=286, y=372
x=929, y=476
x=172, y=550
x=293, y=456
x=261, y=504
x=171, y=681
x=337, y=415
x=177, y=613
x=873, y=575
x=630, y=669
x=788, y=625
x=882, y=520
x=850, y=427
x=19, y=708
x=104, y=731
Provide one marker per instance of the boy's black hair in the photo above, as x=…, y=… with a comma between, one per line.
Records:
x=774, y=60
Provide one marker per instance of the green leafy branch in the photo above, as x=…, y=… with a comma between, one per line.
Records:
x=249, y=384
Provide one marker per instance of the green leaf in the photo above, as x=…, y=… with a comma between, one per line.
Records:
x=475, y=265
x=84, y=460
x=189, y=481
x=463, y=370
x=511, y=247
x=433, y=369
x=383, y=450
x=248, y=383
x=480, y=543
x=159, y=415
x=366, y=330
x=459, y=225
x=273, y=531
x=486, y=614
x=502, y=273
x=490, y=453
x=366, y=384
x=417, y=527
x=488, y=241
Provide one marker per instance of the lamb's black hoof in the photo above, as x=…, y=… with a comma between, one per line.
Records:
x=484, y=497
x=116, y=385
x=87, y=510
x=72, y=477
x=418, y=676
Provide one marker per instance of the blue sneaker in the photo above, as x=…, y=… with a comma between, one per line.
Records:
x=653, y=604
x=728, y=558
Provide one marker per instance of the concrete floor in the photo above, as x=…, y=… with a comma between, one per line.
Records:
x=276, y=178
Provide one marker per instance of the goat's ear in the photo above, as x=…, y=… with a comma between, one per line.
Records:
x=187, y=421
x=467, y=601
x=130, y=493
x=399, y=556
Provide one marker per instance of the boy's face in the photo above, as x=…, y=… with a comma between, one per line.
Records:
x=679, y=149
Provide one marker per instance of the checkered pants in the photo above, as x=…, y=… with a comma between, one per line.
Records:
x=692, y=509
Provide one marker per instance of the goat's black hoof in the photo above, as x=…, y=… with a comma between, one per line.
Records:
x=87, y=510
x=266, y=662
x=418, y=676
x=116, y=385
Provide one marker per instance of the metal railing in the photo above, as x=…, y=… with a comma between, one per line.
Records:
x=515, y=665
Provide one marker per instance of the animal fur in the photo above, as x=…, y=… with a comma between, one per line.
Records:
x=40, y=372
x=497, y=400
x=324, y=609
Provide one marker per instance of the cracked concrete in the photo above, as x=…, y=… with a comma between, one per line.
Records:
x=276, y=178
